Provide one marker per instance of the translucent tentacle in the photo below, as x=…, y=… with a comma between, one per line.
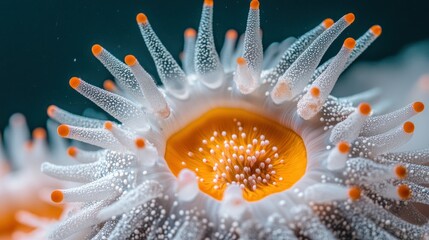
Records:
x=65, y=117
x=370, y=173
x=187, y=187
x=246, y=82
x=233, y=204
x=94, y=136
x=384, y=142
x=338, y=156
x=380, y=124
x=189, y=53
x=294, y=51
x=119, y=107
x=226, y=54
x=107, y=187
x=309, y=105
x=207, y=63
x=155, y=98
x=143, y=193
x=120, y=71
x=293, y=81
x=78, y=173
x=77, y=222
x=349, y=129
x=325, y=193
x=253, y=52
x=361, y=45
x=124, y=137
x=170, y=73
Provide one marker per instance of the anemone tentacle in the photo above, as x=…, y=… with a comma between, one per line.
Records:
x=231, y=141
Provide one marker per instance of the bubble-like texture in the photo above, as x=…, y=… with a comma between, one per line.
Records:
x=207, y=62
x=296, y=77
x=128, y=190
x=122, y=74
x=292, y=53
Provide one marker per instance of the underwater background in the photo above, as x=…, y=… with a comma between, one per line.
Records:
x=44, y=43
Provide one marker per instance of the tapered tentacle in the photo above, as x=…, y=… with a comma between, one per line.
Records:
x=120, y=71
x=170, y=73
x=252, y=66
x=154, y=96
x=207, y=63
x=65, y=117
x=226, y=54
x=188, y=53
x=121, y=108
x=294, y=51
x=296, y=77
x=309, y=105
x=361, y=45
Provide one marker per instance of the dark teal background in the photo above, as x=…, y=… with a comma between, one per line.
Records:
x=44, y=43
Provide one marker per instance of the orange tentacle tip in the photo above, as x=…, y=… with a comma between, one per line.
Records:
x=327, y=23
x=354, y=193
x=254, y=4
x=108, y=125
x=57, y=196
x=418, y=106
x=400, y=171
x=140, y=143
x=74, y=82
x=96, y=49
x=109, y=85
x=39, y=133
x=190, y=33
x=365, y=108
x=241, y=61
x=208, y=3
x=63, y=130
x=376, y=30
x=404, y=192
x=130, y=60
x=349, y=18
x=343, y=147
x=141, y=18
x=349, y=43
x=315, y=91
x=72, y=151
x=51, y=110
x=408, y=127
x=231, y=34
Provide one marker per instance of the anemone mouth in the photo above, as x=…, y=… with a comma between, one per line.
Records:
x=227, y=146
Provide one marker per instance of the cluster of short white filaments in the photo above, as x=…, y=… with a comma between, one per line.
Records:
x=247, y=174
x=352, y=188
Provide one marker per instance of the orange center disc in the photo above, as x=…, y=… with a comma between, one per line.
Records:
x=233, y=146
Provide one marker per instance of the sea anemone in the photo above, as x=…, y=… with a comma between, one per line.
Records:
x=22, y=185
x=241, y=145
